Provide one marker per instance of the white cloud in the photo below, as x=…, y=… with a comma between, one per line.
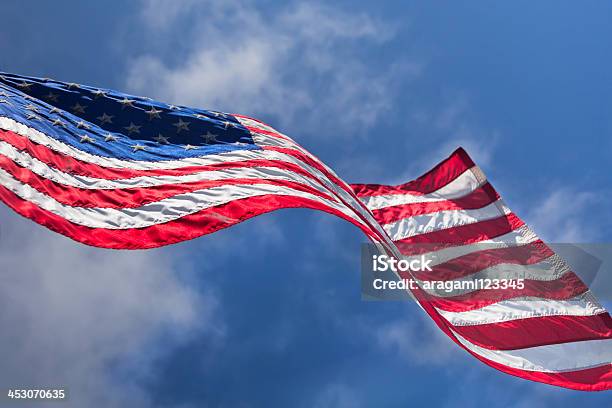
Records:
x=566, y=215
x=160, y=14
x=299, y=64
x=94, y=321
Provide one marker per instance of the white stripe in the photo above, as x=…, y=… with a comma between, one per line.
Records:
x=253, y=123
x=424, y=223
x=459, y=187
x=552, y=358
x=158, y=212
x=549, y=269
x=541, y=271
x=262, y=139
x=583, y=305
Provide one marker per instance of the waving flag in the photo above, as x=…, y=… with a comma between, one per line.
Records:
x=119, y=171
x=551, y=330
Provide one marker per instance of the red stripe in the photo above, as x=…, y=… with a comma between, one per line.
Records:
x=479, y=198
x=566, y=287
x=182, y=229
x=590, y=379
x=436, y=178
x=271, y=133
x=538, y=331
x=250, y=118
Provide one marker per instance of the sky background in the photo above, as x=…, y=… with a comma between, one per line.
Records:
x=268, y=313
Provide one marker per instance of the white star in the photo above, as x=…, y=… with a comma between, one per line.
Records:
x=200, y=116
x=110, y=138
x=180, y=125
x=132, y=128
x=72, y=85
x=173, y=107
x=51, y=96
x=32, y=116
x=153, y=113
x=99, y=93
x=31, y=107
x=216, y=113
x=2, y=93
x=55, y=110
x=28, y=98
x=209, y=137
x=82, y=124
x=87, y=139
x=127, y=102
x=105, y=118
x=161, y=139
x=227, y=124
x=138, y=147
x=58, y=122
x=25, y=85
x=189, y=147
x=78, y=108
x=5, y=101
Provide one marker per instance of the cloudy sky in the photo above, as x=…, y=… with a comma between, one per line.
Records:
x=268, y=313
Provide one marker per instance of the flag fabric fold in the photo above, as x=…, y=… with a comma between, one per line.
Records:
x=118, y=171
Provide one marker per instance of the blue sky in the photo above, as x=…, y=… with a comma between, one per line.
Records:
x=268, y=313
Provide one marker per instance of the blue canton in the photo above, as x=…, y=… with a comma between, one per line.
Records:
x=117, y=125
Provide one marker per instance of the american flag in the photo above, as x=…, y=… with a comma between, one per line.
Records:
x=114, y=170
